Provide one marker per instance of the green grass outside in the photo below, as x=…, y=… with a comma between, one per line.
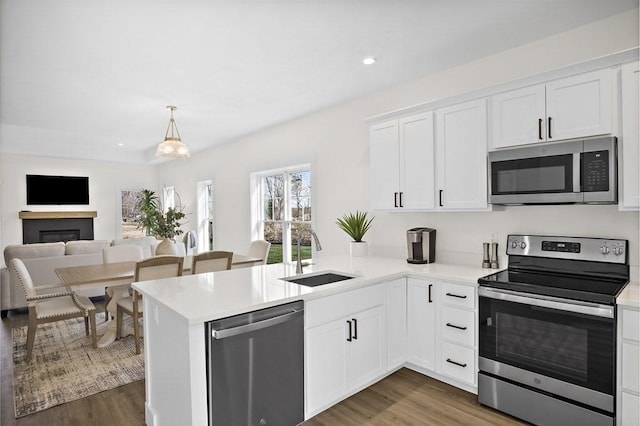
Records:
x=275, y=253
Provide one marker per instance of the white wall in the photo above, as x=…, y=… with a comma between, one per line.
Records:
x=106, y=179
x=335, y=142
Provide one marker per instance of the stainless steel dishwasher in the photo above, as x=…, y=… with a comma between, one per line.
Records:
x=255, y=367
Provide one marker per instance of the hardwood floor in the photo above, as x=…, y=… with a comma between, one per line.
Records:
x=404, y=398
x=409, y=398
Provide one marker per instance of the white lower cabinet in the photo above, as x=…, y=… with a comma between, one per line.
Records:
x=396, y=323
x=628, y=367
x=441, y=330
x=421, y=322
x=346, y=345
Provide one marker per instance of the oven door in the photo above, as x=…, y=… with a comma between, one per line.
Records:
x=559, y=346
x=536, y=175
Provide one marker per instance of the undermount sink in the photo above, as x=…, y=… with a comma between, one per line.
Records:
x=318, y=279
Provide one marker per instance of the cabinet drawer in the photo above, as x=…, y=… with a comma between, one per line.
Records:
x=630, y=369
x=459, y=295
x=326, y=309
x=458, y=325
x=630, y=324
x=458, y=363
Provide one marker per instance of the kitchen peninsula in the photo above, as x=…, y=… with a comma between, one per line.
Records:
x=400, y=310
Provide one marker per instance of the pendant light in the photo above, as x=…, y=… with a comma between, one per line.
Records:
x=172, y=147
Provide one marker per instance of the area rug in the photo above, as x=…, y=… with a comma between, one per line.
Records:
x=65, y=367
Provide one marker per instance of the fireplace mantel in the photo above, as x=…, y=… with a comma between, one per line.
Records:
x=58, y=215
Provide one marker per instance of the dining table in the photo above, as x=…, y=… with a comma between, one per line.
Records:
x=116, y=278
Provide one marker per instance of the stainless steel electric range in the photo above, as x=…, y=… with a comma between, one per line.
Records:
x=547, y=330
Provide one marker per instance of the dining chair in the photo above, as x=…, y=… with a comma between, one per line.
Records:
x=52, y=303
x=260, y=248
x=211, y=261
x=115, y=254
x=149, y=269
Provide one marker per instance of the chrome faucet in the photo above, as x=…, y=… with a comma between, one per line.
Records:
x=318, y=247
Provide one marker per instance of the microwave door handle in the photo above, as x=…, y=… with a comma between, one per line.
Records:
x=577, y=182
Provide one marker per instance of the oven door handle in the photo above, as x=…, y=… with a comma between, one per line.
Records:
x=587, y=308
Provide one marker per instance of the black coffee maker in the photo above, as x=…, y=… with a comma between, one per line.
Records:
x=421, y=243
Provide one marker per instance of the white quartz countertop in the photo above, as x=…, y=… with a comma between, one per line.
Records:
x=205, y=297
x=630, y=296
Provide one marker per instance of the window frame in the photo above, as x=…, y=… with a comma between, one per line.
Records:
x=258, y=214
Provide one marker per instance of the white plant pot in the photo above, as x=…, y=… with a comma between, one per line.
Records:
x=358, y=249
x=167, y=247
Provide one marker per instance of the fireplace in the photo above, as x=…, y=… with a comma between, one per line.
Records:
x=39, y=227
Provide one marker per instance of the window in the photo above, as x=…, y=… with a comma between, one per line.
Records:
x=168, y=197
x=284, y=210
x=130, y=214
x=205, y=216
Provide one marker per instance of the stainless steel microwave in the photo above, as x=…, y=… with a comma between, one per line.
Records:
x=578, y=171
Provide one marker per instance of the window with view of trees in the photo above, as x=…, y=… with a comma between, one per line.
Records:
x=286, y=210
x=130, y=213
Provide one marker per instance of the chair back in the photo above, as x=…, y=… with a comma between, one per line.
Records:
x=24, y=277
x=122, y=253
x=158, y=267
x=211, y=261
x=260, y=248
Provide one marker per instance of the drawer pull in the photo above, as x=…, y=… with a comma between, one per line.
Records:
x=456, y=326
x=430, y=299
x=456, y=363
x=355, y=329
x=350, y=338
x=456, y=295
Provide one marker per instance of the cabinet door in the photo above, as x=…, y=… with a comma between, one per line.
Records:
x=518, y=117
x=421, y=322
x=629, y=144
x=385, y=165
x=461, y=148
x=579, y=106
x=417, y=173
x=396, y=323
x=366, y=352
x=325, y=368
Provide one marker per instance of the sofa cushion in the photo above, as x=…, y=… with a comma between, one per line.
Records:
x=148, y=244
x=85, y=246
x=30, y=251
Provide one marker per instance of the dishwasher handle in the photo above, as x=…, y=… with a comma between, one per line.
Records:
x=247, y=328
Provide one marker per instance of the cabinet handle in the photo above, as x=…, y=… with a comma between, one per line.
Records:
x=456, y=295
x=549, y=129
x=456, y=326
x=540, y=128
x=350, y=331
x=401, y=200
x=430, y=287
x=440, y=198
x=355, y=328
x=395, y=199
x=456, y=363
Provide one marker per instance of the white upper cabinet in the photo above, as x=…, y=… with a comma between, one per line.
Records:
x=629, y=143
x=573, y=107
x=402, y=163
x=461, y=152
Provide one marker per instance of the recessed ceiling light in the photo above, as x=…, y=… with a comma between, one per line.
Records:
x=369, y=61
x=120, y=144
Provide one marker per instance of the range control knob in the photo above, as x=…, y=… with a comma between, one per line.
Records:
x=523, y=245
x=514, y=244
x=604, y=250
x=618, y=251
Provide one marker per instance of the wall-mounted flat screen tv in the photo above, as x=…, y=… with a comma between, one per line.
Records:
x=57, y=189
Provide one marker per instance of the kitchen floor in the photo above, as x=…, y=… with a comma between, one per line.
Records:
x=404, y=398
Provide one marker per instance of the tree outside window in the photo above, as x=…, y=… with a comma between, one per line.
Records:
x=130, y=213
x=286, y=210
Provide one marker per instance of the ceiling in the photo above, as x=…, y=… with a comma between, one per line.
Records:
x=91, y=79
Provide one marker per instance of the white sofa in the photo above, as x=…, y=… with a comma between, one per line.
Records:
x=42, y=259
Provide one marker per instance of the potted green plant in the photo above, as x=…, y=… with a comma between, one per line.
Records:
x=356, y=225
x=162, y=225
